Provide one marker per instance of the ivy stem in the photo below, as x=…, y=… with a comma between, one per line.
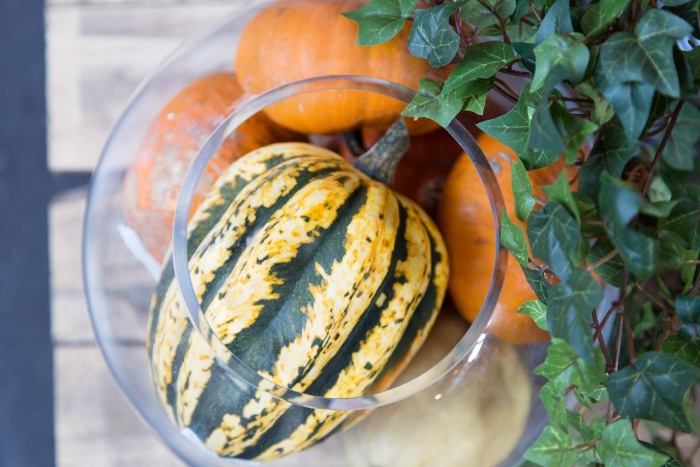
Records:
x=588, y=444
x=601, y=341
x=507, y=93
x=598, y=331
x=661, y=127
x=616, y=359
x=630, y=337
x=696, y=287
x=508, y=70
x=603, y=260
x=618, y=341
x=534, y=10
x=580, y=100
x=635, y=426
x=501, y=22
x=662, y=146
x=636, y=9
x=507, y=88
x=655, y=300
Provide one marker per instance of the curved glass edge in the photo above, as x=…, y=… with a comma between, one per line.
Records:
x=236, y=369
x=153, y=417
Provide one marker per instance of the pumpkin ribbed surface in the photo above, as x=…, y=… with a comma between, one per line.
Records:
x=316, y=276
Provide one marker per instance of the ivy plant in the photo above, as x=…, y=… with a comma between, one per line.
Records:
x=610, y=87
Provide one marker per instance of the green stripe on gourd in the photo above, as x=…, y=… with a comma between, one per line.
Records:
x=316, y=276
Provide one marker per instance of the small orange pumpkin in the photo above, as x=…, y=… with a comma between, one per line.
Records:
x=294, y=39
x=465, y=220
x=174, y=138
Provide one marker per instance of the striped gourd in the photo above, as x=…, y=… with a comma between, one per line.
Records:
x=313, y=274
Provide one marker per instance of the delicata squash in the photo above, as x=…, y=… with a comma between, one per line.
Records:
x=313, y=274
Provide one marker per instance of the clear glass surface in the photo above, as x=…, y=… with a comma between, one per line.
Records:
x=121, y=275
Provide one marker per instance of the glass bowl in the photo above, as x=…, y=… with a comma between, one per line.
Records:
x=461, y=375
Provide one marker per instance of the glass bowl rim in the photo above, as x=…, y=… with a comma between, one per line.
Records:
x=239, y=371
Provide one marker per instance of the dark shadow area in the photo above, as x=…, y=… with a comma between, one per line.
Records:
x=26, y=381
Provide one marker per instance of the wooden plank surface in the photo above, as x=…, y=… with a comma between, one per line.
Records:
x=97, y=53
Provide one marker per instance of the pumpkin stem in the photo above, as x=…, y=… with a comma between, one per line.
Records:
x=353, y=139
x=380, y=161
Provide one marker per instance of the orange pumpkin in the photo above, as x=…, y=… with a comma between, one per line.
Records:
x=295, y=39
x=465, y=220
x=153, y=180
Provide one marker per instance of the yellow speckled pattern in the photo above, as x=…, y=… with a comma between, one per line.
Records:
x=311, y=273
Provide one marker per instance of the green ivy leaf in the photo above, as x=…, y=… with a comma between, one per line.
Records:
x=653, y=388
x=560, y=191
x=552, y=448
x=544, y=135
x=538, y=283
x=522, y=8
x=659, y=190
x=476, y=103
x=485, y=13
x=591, y=430
x=658, y=209
x=513, y=128
x=569, y=309
x=632, y=103
x=591, y=173
x=602, y=110
x=690, y=333
x=619, y=204
x=688, y=308
x=679, y=152
x=536, y=310
x=645, y=55
x=430, y=102
x=536, y=158
x=676, y=2
x=589, y=212
x=614, y=147
x=553, y=397
x=610, y=153
x=564, y=365
x=687, y=351
x=623, y=449
x=611, y=271
x=685, y=217
x=588, y=398
x=380, y=20
x=670, y=460
x=555, y=238
x=672, y=254
x=513, y=239
x=526, y=51
x=480, y=61
x=556, y=21
x=692, y=57
x=432, y=37
x=689, y=270
x=686, y=78
x=560, y=52
x=522, y=190
x=600, y=17
x=661, y=25
x=648, y=319
x=574, y=129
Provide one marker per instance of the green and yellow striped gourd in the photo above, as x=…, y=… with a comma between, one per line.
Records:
x=313, y=274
